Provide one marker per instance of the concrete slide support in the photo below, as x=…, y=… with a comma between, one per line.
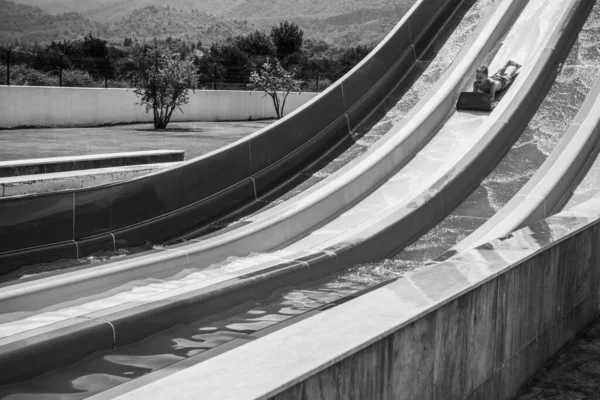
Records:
x=79, y=222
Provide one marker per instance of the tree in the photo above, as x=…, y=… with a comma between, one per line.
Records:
x=94, y=47
x=275, y=82
x=255, y=44
x=352, y=56
x=317, y=65
x=287, y=38
x=162, y=80
x=233, y=63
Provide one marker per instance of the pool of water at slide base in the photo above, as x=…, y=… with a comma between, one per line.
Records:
x=105, y=370
x=425, y=73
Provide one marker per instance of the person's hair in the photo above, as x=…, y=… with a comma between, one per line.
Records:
x=483, y=69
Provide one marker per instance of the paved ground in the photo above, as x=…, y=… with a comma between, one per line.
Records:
x=573, y=374
x=196, y=138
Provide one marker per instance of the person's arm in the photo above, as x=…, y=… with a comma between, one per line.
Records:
x=474, y=86
x=493, y=91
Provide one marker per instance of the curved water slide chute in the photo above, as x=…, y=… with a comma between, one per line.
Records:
x=358, y=236
x=159, y=206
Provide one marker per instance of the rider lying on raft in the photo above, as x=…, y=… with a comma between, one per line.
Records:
x=497, y=82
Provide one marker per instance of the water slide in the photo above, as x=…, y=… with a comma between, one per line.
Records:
x=327, y=246
x=569, y=113
x=159, y=206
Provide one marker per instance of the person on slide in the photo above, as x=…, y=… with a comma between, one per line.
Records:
x=497, y=82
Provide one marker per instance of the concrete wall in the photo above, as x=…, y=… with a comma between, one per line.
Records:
x=35, y=105
x=486, y=343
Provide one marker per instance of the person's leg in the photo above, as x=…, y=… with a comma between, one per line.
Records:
x=511, y=71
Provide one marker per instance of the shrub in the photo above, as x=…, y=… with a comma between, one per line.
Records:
x=23, y=75
x=78, y=78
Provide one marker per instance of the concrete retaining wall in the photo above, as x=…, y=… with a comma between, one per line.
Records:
x=49, y=106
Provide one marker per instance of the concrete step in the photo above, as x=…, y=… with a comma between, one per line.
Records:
x=74, y=163
x=44, y=183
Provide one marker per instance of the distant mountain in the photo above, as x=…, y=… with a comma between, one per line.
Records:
x=30, y=24
x=229, y=9
x=341, y=23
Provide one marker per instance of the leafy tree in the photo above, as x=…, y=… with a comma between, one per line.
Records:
x=94, y=47
x=256, y=44
x=287, y=38
x=233, y=63
x=162, y=80
x=66, y=47
x=317, y=65
x=352, y=56
x=276, y=82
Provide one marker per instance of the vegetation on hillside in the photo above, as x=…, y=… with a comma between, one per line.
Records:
x=26, y=25
x=340, y=24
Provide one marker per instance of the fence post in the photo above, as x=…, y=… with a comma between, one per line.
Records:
x=60, y=64
x=317, y=81
x=8, y=67
x=106, y=72
x=215, y=78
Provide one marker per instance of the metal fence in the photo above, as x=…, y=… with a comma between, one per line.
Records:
x=47, y=68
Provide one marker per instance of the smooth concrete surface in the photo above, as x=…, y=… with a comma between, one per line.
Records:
x=76, y=163
x=43, y=183
x=474, y=327
x=199, y=191
x=278, y=226
x=55, y=106
x=553, y=182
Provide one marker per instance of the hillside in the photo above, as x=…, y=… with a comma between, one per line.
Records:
x=31, y=24
x=230, y=9
x=341, y=23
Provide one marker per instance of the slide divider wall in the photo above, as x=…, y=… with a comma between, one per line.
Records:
x=75, y=223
